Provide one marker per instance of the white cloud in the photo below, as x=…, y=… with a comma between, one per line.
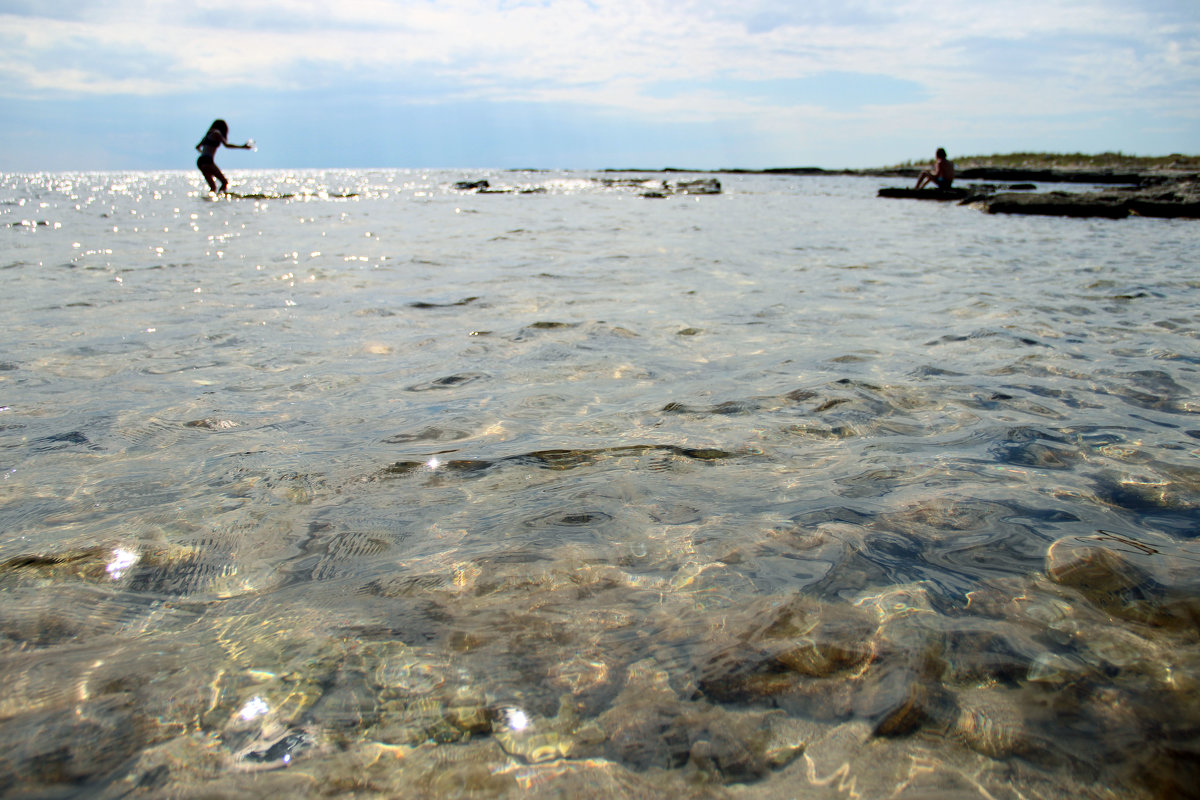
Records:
x=519, y=50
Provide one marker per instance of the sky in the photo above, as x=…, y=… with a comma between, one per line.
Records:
x=583, y=84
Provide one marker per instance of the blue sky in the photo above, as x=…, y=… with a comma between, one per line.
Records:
x=582, y=84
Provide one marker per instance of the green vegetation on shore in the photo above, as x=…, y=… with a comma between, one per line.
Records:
x=1117, y=160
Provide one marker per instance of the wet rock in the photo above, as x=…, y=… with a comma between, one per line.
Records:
x=640, y=728
x=471, y=186
x=469, y=774
x=468, y=711
x=1154, y=196
x=537, y=739
x=740, y=673
x=932, y=193
x=205, y=567
x=739, y=746
x=817, y=639
x=90, y=564
x=1051, y=175
x=831, y=749
x=991, y=721
x=428, y=304
x=1164, y=208
x=283, y=751
x=911, y=634
x=580, y=675
x=894, y=701
x=1091, y=567
x=70, y=747
x=187, y=759
x=1152, y=579
x=212, y=424
x=347, y=703
x=1056, y=204
x=1150, y=195
x=420, y=721
x=650, y=729
x=1052, y=669
x=698, y=186
x=981, y=652
x=1114, y=649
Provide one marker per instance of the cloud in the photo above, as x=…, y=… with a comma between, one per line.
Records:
x=490, y=45
x=839, y=91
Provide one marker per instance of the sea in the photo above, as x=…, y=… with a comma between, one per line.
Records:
x=362, y=484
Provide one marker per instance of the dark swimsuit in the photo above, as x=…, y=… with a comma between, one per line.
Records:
x=208, y=148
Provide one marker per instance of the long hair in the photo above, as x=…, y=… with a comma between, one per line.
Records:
x=220, y=125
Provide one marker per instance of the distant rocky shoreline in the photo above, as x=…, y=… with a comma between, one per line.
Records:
x=1154, y=192
x=1151, y=192
x=987, y=173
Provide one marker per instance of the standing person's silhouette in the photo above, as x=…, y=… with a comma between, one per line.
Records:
x=212, y=141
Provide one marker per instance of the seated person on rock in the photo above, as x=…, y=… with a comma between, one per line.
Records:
x=942, y=172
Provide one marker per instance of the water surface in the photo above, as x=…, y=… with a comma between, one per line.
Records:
x=370, y=485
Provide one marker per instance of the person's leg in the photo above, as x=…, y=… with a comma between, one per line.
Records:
x=925, y=177
x=205, y=166
x=208, y=169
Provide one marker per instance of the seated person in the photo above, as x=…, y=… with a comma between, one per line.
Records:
x=941, y=174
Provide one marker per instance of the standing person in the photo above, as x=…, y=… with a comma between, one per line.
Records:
x=216, y=136
x=942, y=172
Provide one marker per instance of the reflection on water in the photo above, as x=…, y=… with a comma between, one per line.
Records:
x=360, y=484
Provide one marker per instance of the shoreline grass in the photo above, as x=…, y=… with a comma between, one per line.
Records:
x=1107, y=160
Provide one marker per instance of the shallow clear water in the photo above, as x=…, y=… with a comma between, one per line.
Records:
x=373, y=485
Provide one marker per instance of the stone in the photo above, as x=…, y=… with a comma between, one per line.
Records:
x=698, y=186
x=895, y=701
x=1091, y=567
x=989, y=721
x=1056, y=204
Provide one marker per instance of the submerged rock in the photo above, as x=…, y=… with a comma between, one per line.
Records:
x=1089, y=566
x=991, y=722
x=924, y=194
x=177, y=570
x=895, y=701
x=819, y=639
x=1152, y=579
x=70, y=747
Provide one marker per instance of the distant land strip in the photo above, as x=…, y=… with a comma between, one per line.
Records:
x=1114, y=168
